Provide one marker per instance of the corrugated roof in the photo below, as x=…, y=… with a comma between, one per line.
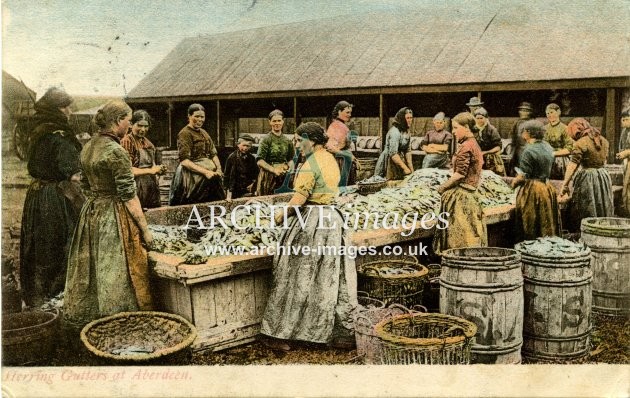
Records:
x=532, y=41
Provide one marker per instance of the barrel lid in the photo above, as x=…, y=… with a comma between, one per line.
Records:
x=616, y=227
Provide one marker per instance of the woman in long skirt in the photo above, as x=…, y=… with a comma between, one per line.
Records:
x=624, y=155
x=142, y=154
x=313, y=295
x=537, y=213
x=592, y=186
x=198, y=177
x=395, y=162
x=489, y=141
x=108, y=269
x=459, y=193
x=556, y=135
x=53, y=200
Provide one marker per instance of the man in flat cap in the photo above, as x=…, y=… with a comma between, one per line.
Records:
x=525, y=113
x=241, y=170
x=474, y=104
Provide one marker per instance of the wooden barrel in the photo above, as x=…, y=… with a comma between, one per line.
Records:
x=377, y=143
x=557, y=322
x=609, y=241
x=485, y=285
x=367, y=168
x=361, y=142
x=28, y=337
x=370, y=143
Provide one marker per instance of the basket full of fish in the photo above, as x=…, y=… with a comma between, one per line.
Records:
x=395, y=280
x=371, y=185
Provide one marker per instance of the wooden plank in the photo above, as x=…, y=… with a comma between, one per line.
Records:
x=611, y=123
x=245, y=297
x=204, y=303
x=220, y=338
x=225, y=301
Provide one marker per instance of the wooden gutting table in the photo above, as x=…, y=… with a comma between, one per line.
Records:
x=225, y=298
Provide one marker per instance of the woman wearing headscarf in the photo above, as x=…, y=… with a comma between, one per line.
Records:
x=556, y=135
x=624, y=155
x=339, y=142
x=592, y=187
x=53, y=200
x=436, y=144
x=312, y=299
x=198, y=177
x=537, y=213
x=142, y=154
x=395, y=161
x=466, y=227
x=489, y=141
x=275, y=156
x=108, y=269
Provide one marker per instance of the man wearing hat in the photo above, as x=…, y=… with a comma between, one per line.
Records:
x=241, y=170
x=525, y=113
x=474, y=104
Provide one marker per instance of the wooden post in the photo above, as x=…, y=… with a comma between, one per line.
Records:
x=295, y=112
x=218, y=124
x=479, y=95
x=383, y=117
x=169, y=114
x=610, y=123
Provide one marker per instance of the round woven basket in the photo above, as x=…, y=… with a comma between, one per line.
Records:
x=29, y=337
x=429, y=339
x=405, y=288
x=143, y=336
x=370, y=187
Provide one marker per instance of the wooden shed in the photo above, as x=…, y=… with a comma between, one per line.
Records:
x=17, y=100
x=432, y=59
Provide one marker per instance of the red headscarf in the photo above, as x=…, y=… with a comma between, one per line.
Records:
x=579, y=127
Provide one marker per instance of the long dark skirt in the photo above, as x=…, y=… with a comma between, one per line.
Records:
x=313, y=296
x=48, y=220
x=148, y=191
x=592, y=196
x=189, y=188
x=537, y=213
x=625, y=194
x=466, y=226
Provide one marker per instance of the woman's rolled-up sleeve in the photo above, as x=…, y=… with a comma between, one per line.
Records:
x=394, y=141
x=304, y=182
x=462, y=161
x=264, y=150
x=123, y=177
x=577, y=153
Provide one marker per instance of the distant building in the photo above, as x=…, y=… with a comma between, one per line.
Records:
x=17, y=100
x=433, y=59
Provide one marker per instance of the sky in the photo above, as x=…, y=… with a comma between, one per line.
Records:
x=98, y=47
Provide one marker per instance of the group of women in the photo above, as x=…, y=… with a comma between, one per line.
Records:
x=102, y=237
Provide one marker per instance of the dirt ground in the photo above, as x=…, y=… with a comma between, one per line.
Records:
x=610, y=340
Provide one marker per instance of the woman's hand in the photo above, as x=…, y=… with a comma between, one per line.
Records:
x=210, y=174
x=148, y=238
x=441, y=189
x=407, y=171
x=623, y=154
x=278, y=218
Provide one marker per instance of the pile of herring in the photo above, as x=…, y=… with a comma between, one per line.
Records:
x=416, y=194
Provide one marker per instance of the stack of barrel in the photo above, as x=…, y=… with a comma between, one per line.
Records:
x=171, y=160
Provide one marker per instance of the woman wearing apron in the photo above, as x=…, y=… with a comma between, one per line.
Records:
x=489, y=141
x=395, y=162
x=556, y=135
x=198, y=177
x=275, y=157
x=142, y=154
x=436, y=144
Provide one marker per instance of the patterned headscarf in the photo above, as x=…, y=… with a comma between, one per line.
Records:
x=579, y=127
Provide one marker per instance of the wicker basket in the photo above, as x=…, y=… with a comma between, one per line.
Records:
x=405, y=289
x=370, y=187
x=368, y=344
x=426, y=339
x=29, y=337
x=139, y=337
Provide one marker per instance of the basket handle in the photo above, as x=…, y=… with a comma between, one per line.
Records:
x=419, y=308
x=371, y=268
x=366, y=321
x=401, y=307
x=361, y=293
